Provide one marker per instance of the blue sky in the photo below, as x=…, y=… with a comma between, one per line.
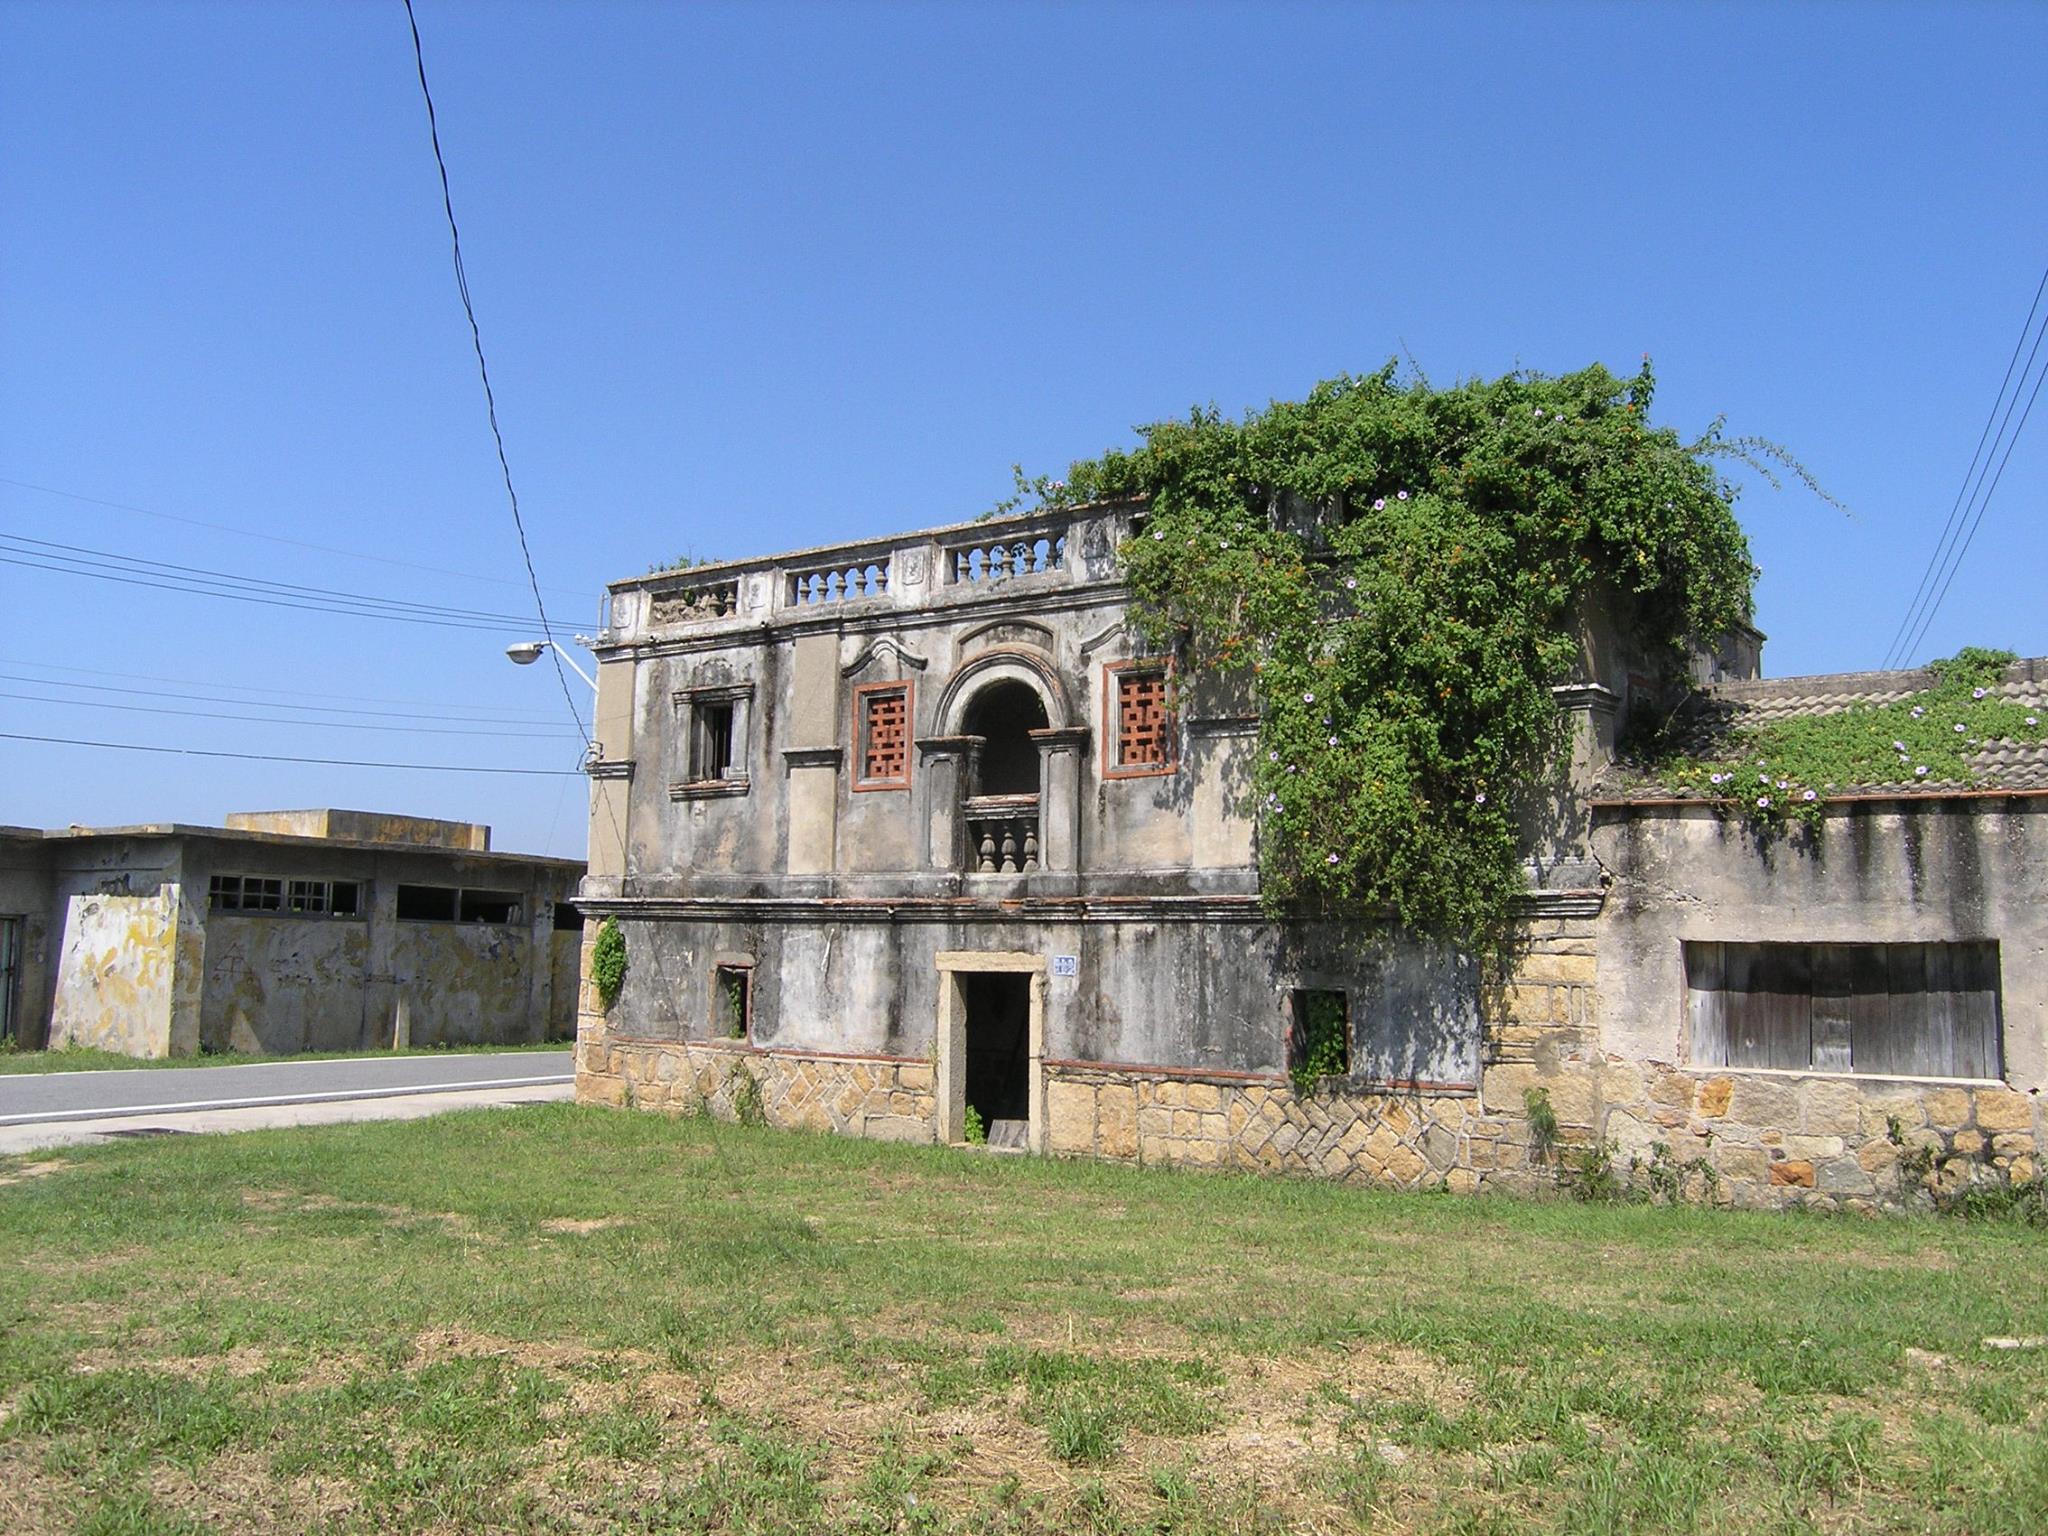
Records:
x=755, y=277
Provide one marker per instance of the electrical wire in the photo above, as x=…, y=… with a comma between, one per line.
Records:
x=1983, y=506
x=273, y=538
x=214, y=698
x=331, y=725
x=1899, y=651
x=506, y=627
x=296, y=693
x=276, y=757
x=114, y=560
x=476, y=337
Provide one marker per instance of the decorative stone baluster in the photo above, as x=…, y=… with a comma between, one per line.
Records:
x=987, y=851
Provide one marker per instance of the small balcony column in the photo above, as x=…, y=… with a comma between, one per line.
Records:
x=1060, y=751
x=949, y=766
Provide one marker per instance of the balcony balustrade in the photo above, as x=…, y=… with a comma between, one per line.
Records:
x=1002, y=834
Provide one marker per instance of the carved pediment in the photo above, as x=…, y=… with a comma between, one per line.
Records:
x=882, y=647
x=1008, y=632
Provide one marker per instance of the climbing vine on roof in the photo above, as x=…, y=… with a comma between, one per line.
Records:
x=1398, y=570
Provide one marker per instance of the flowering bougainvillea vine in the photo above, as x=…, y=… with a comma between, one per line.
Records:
x=1399, y=572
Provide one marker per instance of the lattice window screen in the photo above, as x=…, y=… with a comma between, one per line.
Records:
x=885, y=744
x=1141, y=720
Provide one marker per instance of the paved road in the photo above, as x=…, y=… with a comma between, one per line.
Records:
x=50, y=1108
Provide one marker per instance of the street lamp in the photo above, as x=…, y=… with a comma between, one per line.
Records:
x=527, y=652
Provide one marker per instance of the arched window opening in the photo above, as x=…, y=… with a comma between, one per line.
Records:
x=1003, y=715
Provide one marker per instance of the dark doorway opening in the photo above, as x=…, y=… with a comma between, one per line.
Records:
x=1003, y=715
x=999, y=1052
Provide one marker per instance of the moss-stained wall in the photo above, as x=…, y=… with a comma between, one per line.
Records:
x=132, y=952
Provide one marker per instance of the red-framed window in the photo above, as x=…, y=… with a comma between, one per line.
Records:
x=881, y=736
x=1138, y=728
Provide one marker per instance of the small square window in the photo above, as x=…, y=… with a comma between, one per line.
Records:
x=260, y=895
x=732, y=1002
x=309, y=896
x=881, y=714
x=1319, y=1035
x=1139, y=731
x=344, y=898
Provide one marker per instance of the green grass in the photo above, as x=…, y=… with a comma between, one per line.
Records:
x=557, y=1319
x=86, y=1059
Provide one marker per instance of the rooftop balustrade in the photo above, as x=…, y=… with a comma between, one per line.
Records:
x=963, y=563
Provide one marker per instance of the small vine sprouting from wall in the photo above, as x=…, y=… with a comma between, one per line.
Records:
x=608, y=961
x=1402, y=640
x=1784, y=771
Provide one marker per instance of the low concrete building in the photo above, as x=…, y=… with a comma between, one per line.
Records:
x=283, y=931
x=900, y=828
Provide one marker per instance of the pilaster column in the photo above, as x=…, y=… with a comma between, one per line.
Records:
x=947, y=766
x=1060, y=752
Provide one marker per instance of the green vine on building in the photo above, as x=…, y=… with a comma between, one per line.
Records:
x=1400, y=571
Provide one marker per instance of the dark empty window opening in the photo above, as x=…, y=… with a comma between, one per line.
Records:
x=1319, y=1036
x=999, y=1052
x=489, y=907
x=714, y=736
x=1003, y=715
x=567, y=918
x=1894, y=1010
x=732, y=1002
x=426, y=903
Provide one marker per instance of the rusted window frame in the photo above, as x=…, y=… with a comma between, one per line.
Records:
x=863, y=694
x=1114, y=675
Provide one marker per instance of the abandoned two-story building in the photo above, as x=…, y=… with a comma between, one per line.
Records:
x=913, y=834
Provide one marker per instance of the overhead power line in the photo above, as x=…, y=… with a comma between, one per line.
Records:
x=483, y=370
x=278, y=757
x=1983, y=506
x=440, y=708
x=114, y=560
x=271, y=538
x=323, y=709
x=1921, y=609
x=330, y=725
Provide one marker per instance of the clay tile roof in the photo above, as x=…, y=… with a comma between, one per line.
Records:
x=1724, y=709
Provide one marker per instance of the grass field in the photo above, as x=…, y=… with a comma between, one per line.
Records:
x=86, y=1059
x=563, y=1319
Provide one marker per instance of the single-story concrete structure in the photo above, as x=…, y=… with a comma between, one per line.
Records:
x=283, y=931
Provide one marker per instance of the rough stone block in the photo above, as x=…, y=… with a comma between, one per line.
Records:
x=1715, y=1094
x=1154, y=1121
x=1765, y=1102
x=1877, y=1157
x=914, y=1075
x=2001, y=1109
x=1203, y=1096
x=1461, y=1181
x=895, y=1128
x=1116, y=1121
x=1404, y=1165
x=1575, y=969
x=1968, y=1143
x=1741, y=1165
x=1069, y=1117
x=1674, y=1090
x=1793, y=1174
x=1204, y=1154
x=2012, y=1143
x=1831, y=1108
x=1813, y=1149
x=1948, y=1109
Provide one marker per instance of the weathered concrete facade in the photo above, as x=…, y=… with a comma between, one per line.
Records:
x=169, y=940
x=898, y=828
